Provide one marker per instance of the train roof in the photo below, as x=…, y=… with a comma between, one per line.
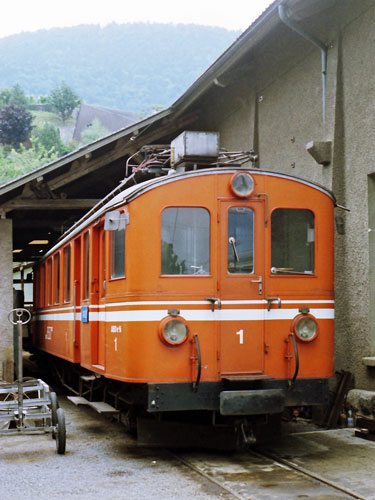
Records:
x=123, y=195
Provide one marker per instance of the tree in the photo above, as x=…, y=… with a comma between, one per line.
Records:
x=64, y=100
x=14, y=95
x=5, y=96
x=49, y=137
x=18, y=96
x=15, y=125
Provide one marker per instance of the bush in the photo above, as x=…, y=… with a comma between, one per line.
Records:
x=15, y=125
x=20, y=162
x=49, y=137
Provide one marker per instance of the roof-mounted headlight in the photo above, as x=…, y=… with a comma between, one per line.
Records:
x=242, y=184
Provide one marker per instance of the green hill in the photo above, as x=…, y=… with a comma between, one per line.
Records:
x=130, y=66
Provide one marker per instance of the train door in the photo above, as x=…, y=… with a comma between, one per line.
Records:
x=76, y=292
x=102, y=296
x=97, y=306
x=241, y=276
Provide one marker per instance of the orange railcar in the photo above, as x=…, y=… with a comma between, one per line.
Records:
x=205, y=290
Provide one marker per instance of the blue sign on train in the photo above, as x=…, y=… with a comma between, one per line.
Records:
x=84, y=314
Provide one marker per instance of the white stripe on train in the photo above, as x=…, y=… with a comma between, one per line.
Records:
x=181, y=303
x=189, y=315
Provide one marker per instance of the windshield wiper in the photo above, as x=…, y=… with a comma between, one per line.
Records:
x=232, y=241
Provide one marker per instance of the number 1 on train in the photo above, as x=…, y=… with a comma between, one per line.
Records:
x=240, y=333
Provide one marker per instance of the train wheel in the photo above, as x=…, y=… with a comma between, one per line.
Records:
x=60, y=432
x=129, y=420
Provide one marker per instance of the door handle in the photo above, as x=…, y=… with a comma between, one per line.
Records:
x=260, y=287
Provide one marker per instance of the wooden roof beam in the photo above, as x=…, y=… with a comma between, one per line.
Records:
x=49, y=204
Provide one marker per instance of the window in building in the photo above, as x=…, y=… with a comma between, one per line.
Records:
x=185, y=241
x=56, y=267
x=292, y=241
x=67, y=274
x=118, y=253
x=240, y=240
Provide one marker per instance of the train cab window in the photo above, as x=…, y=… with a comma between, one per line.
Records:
x=67, y=274
x=118, y=253
x=185, y=241
x=240, y=240
x=56, y=281
x=292, y=241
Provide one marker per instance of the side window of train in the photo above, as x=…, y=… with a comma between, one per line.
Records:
x=185, y=241
x=56, y=280
x=42, y=285
x=86, y=264
x=292, y=241
x=67, y=268
x=49, y=281
x=240, y=240
x=118, y=253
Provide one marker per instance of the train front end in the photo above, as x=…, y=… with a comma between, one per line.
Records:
x=229, y=301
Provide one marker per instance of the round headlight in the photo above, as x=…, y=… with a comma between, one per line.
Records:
x=306, y=328
x=242, y=184
x=173, y=331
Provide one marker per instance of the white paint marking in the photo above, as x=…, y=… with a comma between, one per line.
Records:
x=240, y=333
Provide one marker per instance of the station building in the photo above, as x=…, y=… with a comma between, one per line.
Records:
x=297, y=87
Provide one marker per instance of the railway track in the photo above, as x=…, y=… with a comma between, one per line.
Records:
x=255, y=475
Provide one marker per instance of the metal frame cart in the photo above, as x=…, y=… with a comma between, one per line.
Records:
x=28, y=406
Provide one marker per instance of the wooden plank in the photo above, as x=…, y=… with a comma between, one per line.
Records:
x=102, y=407
x=49, y=204
x=365, y=423
x=78, y=400
x=364, y=434
x=88, y=378
x=343, y=385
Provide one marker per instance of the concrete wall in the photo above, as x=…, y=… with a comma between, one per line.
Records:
x=6, y=294
x=358, y=76
x=274, y=104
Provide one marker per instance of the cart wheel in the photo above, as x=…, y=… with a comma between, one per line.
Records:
x=54, y=407
x=60, y=432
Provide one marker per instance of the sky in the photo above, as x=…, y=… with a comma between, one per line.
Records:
x=30, y=15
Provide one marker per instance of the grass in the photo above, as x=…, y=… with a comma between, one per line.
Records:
x=43, y=117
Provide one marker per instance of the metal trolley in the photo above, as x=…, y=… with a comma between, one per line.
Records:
x=28, y=406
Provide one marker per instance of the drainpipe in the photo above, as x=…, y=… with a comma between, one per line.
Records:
x=323, y=48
